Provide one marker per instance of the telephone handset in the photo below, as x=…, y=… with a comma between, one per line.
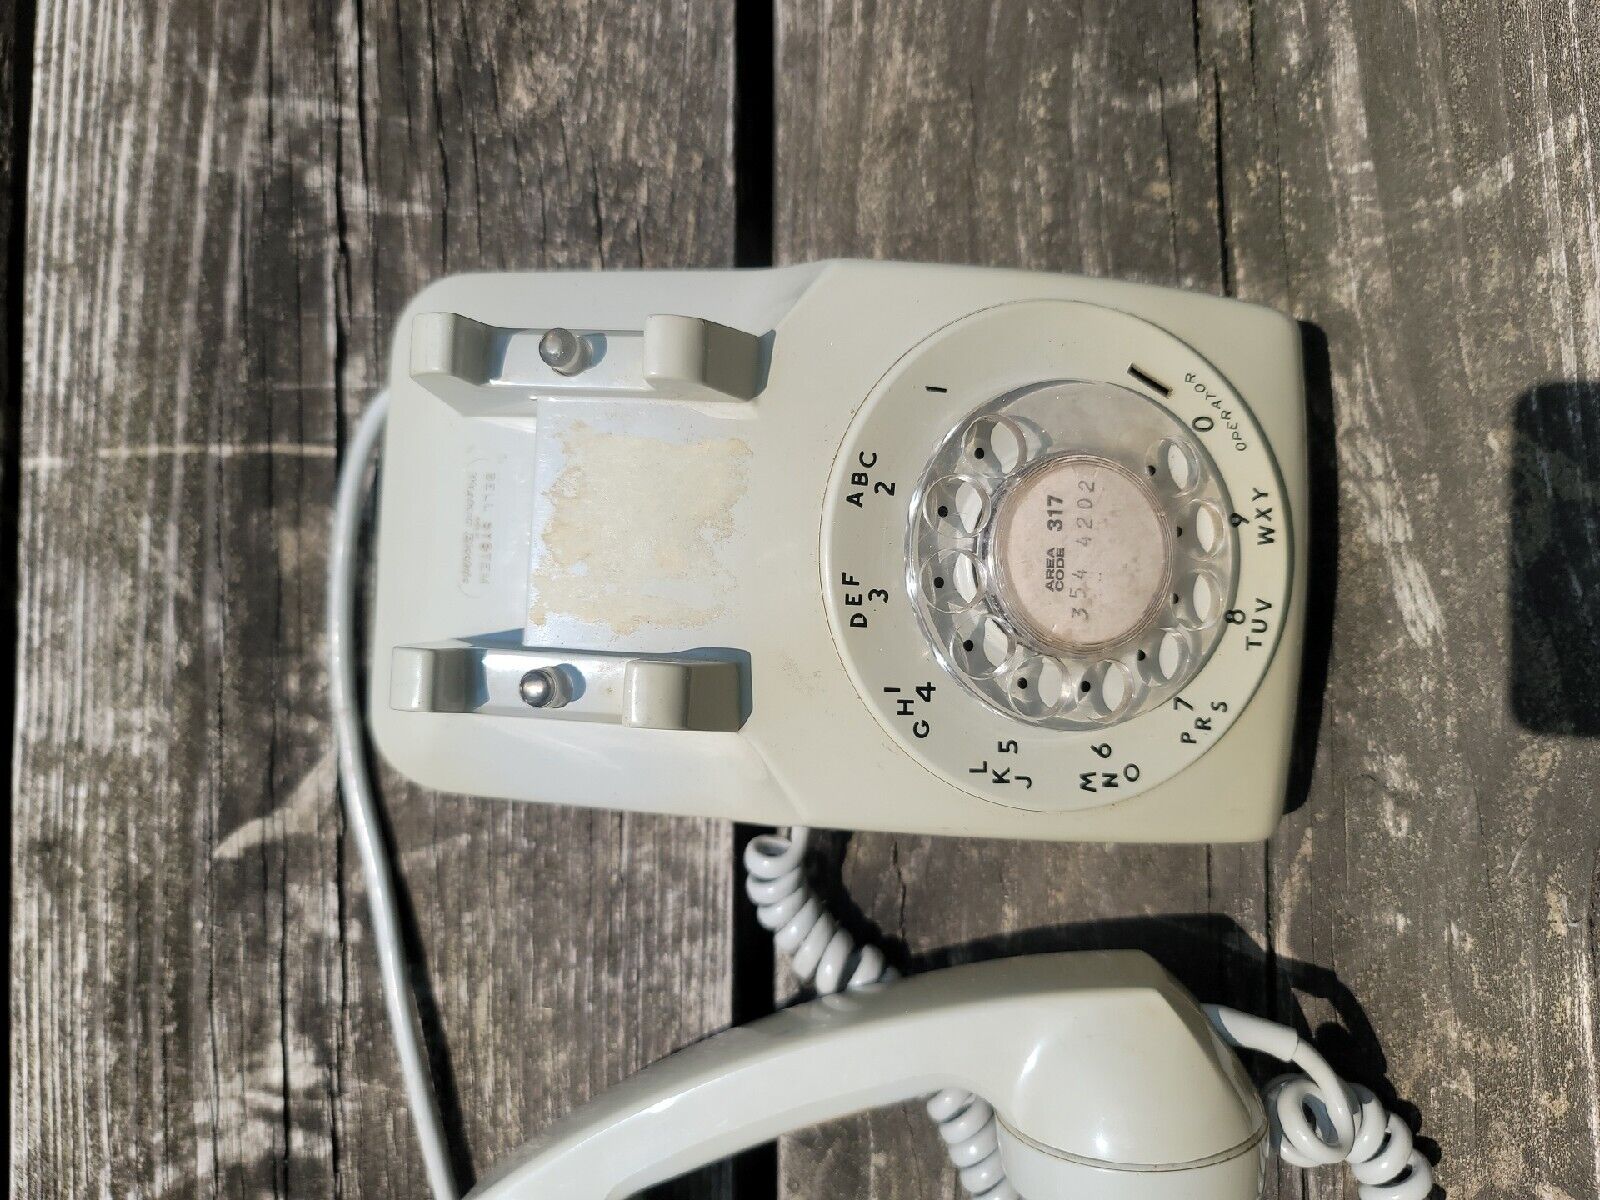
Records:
x=877, y=546
x=1107, y=1080
x=921, y=548
x=1102, y=1079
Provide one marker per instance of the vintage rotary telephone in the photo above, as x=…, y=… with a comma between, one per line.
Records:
x=874, y=546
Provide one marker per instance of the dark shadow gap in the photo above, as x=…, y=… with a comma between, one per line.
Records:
x=1554, y=556
x=1322, y=562
x=754, y=130
x=16, y=60
x=754, y=1173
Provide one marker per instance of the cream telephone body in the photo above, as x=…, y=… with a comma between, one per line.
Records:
x=872, y=546
x=869, y=545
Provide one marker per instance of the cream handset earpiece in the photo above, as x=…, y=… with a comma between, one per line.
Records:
x=876, y=546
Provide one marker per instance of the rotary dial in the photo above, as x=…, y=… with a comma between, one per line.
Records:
x=1070, y=557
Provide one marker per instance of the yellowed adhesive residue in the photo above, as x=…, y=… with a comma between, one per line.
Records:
x=634, y=529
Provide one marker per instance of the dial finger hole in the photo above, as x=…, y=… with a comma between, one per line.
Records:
x=951, y=581
x=994, y=445
x=983, y=647
x=1037, y=687
x=1198, y=601
x=1165, y=656
x=1109, y=689
x=956, y=505
x=1210, y=528
x=1173, y=467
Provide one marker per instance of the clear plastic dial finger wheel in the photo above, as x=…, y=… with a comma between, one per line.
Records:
x=1069, y=557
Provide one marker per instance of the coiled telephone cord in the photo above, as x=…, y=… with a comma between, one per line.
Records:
x=824, y=954
x=1318, y=1119
x=1315, y=1117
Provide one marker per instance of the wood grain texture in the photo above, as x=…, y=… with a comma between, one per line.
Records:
x=1419, y=183
x=16, y=54
x=228, y=206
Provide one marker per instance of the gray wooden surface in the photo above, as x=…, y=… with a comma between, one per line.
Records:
x=227, y=208
x=226, y=211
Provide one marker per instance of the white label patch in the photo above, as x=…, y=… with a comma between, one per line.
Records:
x=480, y=505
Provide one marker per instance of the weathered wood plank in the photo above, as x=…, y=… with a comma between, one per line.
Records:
x=16, y=57
x=1419, y=182
x=227, y=209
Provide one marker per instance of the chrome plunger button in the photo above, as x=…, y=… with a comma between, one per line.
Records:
x=1080, y=553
